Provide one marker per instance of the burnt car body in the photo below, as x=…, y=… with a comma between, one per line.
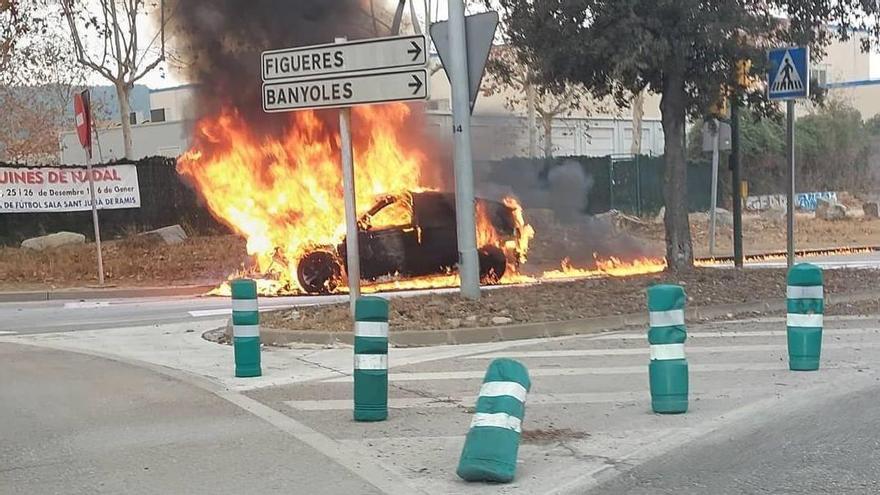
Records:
x=421, y=240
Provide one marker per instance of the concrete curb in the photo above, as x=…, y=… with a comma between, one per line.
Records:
x=108, y=293
x=416, y=338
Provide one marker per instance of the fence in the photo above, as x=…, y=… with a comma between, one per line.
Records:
x=165, y=200
x=632, y=184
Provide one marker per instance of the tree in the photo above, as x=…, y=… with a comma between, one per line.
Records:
x=684, y=50
x=124, y=59
x=506, y=74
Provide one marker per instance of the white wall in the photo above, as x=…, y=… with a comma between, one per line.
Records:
x=178, y=102
x=161, y=138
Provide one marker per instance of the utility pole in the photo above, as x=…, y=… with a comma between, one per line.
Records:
x=790, y=196
x=735, y=167
x=468, y=260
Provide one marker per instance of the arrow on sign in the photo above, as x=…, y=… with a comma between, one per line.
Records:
x=417, y=84
x=415, y=51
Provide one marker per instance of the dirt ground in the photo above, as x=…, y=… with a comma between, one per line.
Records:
x=209, y=260
x=569, y=300
x=198, y=260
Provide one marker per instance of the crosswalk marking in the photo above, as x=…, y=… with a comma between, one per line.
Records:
x=534, y=399
x=641, y=369
x=645, y=350
x=732, y=334
x=87, y=304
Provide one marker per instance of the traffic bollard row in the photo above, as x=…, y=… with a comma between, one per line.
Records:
x=805, y=300
x=245, y=328
x=492, y=444
x=371, y=359
x=668, y=370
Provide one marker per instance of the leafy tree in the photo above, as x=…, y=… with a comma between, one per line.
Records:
x=685, y=50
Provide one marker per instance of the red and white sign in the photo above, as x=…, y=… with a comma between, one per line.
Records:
x=83, y=113
x=55, y=189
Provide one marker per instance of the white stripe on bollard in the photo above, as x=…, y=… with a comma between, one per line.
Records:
x=808, y=292
x=810, y=321
x=371, y=329
x=371, y=361
x=673, y=317
x=497, y=389
x=497, y=420
x=245, y=330
x=245, y=305
x=663, y=352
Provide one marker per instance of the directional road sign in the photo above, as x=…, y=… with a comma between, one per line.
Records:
x=354, y=56
x=788, y=77
x=345, y=90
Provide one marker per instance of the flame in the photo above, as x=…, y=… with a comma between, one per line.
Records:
x=809, y=253
x=283, y=191
x=609, y=267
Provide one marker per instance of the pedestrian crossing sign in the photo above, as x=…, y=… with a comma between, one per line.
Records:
x=788, y=76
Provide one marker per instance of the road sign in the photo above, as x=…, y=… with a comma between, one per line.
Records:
x=345, y=90
x=789, y=74
x=335, y=58
x=480, y=32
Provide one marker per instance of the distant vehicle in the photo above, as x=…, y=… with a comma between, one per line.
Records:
x=411, y=234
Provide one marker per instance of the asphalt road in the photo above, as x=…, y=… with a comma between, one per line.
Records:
x=76, y=424
x=829, y=447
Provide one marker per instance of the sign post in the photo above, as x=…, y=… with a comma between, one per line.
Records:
x=83, y=111
x=788, y=79
x=341, y=75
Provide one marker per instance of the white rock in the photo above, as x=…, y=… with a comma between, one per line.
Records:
x=53, y=241
x=173, y=234
x=501, y=320
x=827, y=209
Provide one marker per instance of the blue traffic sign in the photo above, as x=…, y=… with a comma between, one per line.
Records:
x=788, y=77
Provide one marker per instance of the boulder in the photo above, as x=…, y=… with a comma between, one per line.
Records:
x=775, y=214
x=723, y=218
x=828, y=209
x=52, y=241
x=501, y=320
x=661, y=215
x=172, y=234
x=871, y=209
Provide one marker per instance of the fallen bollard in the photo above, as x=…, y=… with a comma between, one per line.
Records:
x=371, y=359
x=492, y=443
x=806, y=306
x=245, y=328
x=668, y=371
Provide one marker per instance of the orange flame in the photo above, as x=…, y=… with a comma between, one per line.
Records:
x=610, y=267
x=283, y=193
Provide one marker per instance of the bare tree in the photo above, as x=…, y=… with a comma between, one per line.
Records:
x=124, y=57
x=638, y=112
x=516, y=82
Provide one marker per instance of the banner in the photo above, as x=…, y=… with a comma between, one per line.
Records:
x=58, y=189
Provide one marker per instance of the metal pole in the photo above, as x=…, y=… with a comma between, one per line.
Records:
x=790, y=196
x=735, y=166
x=468, y=261
x=95, y=219
x=713, y=202
x=352, y=248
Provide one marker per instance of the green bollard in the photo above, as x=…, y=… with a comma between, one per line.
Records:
x=806, y=306
x=668, y=371
x=492, y=443
x=245, y=328
x=371, y=359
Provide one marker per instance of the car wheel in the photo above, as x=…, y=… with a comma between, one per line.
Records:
x=319, y=272
x=493, y=263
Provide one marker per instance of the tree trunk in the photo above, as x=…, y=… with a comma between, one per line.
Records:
x=122, y=92
x=533, y=131
x=638, y=111
x=548, y=136
x=679, y=250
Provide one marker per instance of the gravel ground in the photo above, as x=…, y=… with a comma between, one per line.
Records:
x=570, y=300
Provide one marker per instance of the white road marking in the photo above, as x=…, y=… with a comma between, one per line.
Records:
x=227, y=311
x=533, y=400
x=8, y=333
x=646, y=350
x=608, y=370
x=736, y=333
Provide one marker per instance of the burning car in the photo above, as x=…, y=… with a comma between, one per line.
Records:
x=413, y=234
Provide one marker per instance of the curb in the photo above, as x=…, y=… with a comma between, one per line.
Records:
x=416, y=338
x=108, y=293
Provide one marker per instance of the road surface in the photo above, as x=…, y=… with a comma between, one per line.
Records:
x=88, y=407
